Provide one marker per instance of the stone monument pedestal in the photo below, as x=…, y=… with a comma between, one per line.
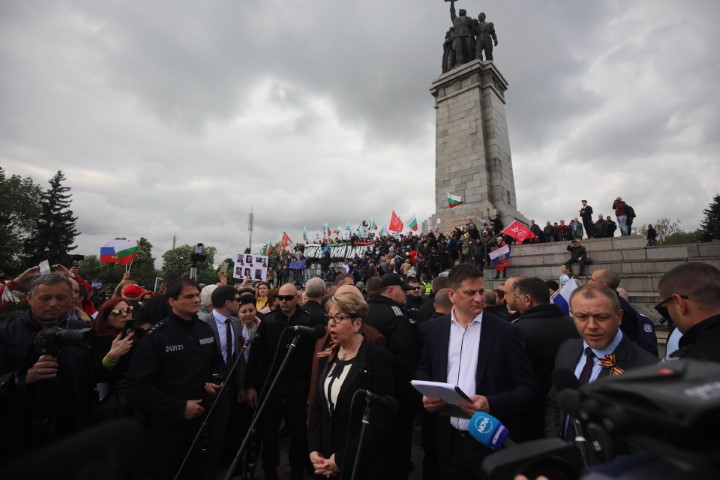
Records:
x=472, y=147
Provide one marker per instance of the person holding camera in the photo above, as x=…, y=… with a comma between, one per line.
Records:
x=578, y=254
x=44, y=370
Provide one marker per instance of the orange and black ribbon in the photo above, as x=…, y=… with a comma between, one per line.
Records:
x=609, y=362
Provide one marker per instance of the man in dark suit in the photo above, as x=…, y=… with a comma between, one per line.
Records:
x=227, y=331
x=602, y=351
x=486, y=357
x=545, y=327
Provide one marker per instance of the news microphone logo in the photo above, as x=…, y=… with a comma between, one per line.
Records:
x=488, y=430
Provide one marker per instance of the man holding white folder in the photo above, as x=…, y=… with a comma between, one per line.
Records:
x=486, y=358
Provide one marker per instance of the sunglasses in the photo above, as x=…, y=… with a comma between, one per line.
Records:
x=120, y=311
x=285, y=298
x=662, y=309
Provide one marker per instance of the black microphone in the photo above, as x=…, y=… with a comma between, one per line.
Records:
x=316, y=331
x=388, y=401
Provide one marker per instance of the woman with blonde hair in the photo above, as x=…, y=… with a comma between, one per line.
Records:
x=336, y=416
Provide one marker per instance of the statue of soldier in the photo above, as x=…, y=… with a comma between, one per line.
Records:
x=448, y=60
x=485, y=32
x=464, y=43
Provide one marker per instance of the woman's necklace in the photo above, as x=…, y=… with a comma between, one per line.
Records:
x=343, y=356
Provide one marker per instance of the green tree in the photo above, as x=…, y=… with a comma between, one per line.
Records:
x=712, y=217
x=143, y=267
x=177, y=261
x=678, y=238
x=55, y=230
x=664, y=228
x=19, y=212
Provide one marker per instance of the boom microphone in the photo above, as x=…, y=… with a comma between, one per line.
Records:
x=316, y=331
x=489, y=431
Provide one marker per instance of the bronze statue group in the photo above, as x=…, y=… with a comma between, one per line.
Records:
x=467, y=40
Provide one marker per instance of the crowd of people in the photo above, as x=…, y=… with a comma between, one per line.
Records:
x=209, y=369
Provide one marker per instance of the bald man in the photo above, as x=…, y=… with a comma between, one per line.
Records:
x=291, y=391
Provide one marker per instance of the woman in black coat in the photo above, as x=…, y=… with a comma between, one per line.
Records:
x=336, y=416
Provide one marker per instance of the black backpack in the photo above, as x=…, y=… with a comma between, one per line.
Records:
x=629, y=212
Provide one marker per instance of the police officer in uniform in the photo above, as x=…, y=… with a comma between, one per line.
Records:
x=172, y=378
x=386, y=314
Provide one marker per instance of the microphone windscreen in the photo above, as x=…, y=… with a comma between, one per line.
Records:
x=569, y=401
x=488, y=430
x=564, y=378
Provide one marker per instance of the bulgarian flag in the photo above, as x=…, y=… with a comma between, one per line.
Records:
x=269, y=249
x=326, y=230
x=412, y=223
x=305, y=237
x=119, y=251
x=373, y=225
x=454, y=200
x=381, y=233
x=396, y=224
x=338, y=229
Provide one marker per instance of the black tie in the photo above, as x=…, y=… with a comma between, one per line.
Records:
x=588, y=367
x=228, y=342
x=584, y=379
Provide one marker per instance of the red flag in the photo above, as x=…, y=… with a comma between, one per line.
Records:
x=518, y=231
x=285, y=241
x=396, y=225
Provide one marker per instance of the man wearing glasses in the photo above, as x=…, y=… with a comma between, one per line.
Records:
x=690, y=297
x=289, y=396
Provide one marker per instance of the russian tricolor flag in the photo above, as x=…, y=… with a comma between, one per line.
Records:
x=561, y=298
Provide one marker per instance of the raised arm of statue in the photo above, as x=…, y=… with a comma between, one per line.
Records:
x=452, y=10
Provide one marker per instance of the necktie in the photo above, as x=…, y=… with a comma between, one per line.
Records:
x=588, y=367
x=584, y=379
x=228, y=343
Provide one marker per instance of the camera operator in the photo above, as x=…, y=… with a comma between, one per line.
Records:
x=44, y=376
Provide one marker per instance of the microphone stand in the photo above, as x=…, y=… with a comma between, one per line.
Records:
x=212, y=408
x=365, y=423
x=261, y=407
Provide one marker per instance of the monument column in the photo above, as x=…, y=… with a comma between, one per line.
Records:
x=472, y=147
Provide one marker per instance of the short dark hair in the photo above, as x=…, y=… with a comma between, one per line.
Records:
x=536, y=288
x=593, y=290
x=439, y=283
x=461, y=272
x=500, y=293
x=222, y=294
x=552, y=284
x=175, y=288
x=699, y=281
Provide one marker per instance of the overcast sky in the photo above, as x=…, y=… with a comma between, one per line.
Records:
x=176, y=116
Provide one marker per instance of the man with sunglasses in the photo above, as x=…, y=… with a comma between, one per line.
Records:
x=289, y=396
x=690, y=297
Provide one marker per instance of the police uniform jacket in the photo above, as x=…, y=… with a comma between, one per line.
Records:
x=173, y=361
